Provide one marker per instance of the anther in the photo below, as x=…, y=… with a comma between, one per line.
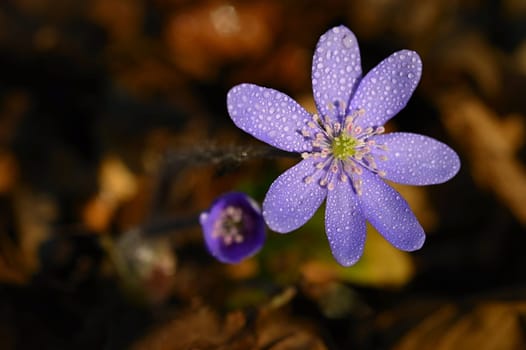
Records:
x=371, y=162
x=328, y=129
x=334, y=166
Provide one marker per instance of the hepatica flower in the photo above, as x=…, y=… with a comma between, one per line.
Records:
x=346, y=154
x=233, y=227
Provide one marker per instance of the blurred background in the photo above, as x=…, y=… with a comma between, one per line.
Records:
x=114, y=135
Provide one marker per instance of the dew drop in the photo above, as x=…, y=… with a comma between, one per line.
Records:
x=347, y=41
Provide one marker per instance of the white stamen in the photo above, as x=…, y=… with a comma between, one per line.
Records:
x=321, y=131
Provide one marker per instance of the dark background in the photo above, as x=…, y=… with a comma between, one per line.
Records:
x=114, y=135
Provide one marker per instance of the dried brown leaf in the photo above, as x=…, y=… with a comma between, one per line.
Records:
x=194, y=328
x=489, y=147
x=488, y=326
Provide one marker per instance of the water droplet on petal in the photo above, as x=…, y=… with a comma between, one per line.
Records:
x=347, y=41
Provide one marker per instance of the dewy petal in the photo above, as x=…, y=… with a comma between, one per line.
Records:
x=336, y=68
x=290, y=202
x=414, y=159
x=269, y=115
x=386, y=89
x=345, y=224
x=390, y=214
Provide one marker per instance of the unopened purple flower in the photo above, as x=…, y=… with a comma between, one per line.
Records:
x=233, y=227
x=346, y=155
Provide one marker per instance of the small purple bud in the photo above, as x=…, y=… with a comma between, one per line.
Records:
x=233, y=227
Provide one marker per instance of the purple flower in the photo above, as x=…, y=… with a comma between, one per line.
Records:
x=233, y=227
x=346, y=155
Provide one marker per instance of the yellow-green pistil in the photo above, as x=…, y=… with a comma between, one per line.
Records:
x=344, y=146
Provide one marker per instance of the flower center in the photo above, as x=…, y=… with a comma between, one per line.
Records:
x=342, y=151
x=229, y=227
x=344, y=146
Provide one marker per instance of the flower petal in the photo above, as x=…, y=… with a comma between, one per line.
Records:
x=385, y=90
x=414, y=159
x=345, y=224
x=269, y=115
x=336, y=68
x=390, y=214
x=290, y=202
